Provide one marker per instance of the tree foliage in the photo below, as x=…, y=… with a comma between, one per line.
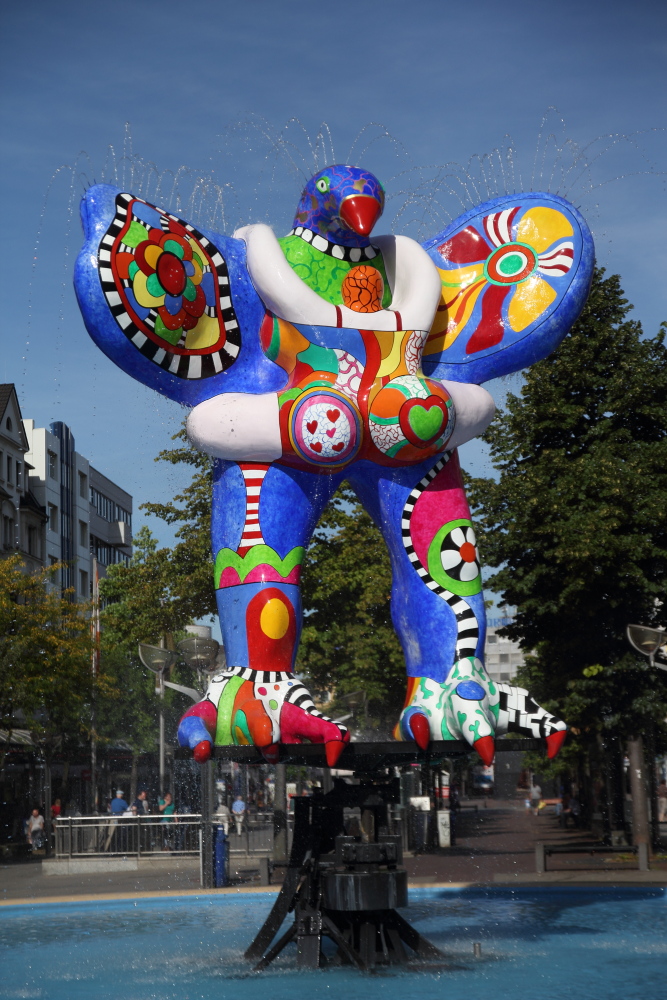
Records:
x=348, y=641
x=577, y=520
x=45, y=655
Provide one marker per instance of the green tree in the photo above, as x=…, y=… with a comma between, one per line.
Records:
x=45, y=656
x=348, y=641
x=577, y=520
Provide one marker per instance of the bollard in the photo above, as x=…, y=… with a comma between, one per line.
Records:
x=477, y=949
x=642, y=857
x=540, y=859
x=220, y=858
x=264, y=872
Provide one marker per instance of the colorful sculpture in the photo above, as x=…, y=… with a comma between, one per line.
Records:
x=321, y=357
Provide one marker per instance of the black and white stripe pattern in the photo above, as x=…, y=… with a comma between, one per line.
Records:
x=355, y=255
x=520, y=713
x=188, y=366
x=256, y=676
x=467, y=628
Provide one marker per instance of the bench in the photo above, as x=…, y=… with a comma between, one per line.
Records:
x=543, y=851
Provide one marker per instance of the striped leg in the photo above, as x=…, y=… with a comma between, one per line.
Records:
x=437, y=601
x=262, y=519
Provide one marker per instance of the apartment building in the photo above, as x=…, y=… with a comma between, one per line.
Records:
x=503, y=657
x=22, y=518
x=87, y=515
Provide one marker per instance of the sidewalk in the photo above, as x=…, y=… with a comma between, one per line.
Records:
x=495, y=846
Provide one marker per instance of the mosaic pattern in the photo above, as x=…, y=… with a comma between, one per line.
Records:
x=290, y=401
x=167, y=287
x=514, y=273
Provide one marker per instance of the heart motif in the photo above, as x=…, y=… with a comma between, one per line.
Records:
x=312, y=426
x=331, y=432
x=339, y=446
x=426, y=421
x=333, y=415
x=316, y=446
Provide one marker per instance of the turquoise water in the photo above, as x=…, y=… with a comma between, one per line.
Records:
x=609, y=944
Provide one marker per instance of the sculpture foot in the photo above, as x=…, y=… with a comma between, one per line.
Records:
x=246, y=707
x=464, y=706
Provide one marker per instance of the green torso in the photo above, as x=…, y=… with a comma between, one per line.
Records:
x=325, y=274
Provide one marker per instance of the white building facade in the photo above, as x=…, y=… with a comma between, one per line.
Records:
x=503, y=657
x=87, y=515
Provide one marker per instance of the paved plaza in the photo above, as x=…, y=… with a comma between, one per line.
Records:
x=495, y=844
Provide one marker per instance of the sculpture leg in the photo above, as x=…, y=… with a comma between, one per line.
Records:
x=438, y=605
x=263, y=516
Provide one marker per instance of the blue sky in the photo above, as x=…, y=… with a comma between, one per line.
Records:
x=211, y=85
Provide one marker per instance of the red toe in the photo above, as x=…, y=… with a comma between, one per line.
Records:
x=486, y=748
x=333, y=749
x=554, y=742
x=420, y=729
x=202, y=752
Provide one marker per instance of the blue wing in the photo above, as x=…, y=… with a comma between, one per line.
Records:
x=515, y=272
x=171, y=305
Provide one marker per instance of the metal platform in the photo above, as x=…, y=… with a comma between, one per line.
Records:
x=365, y=757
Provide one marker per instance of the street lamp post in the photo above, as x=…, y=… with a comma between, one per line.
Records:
x=158, y=659
x=200, y=652
x=650, y=642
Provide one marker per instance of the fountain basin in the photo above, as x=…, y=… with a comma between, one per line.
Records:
x=609, y=942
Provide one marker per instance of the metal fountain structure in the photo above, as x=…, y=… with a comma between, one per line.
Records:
x=335, y=886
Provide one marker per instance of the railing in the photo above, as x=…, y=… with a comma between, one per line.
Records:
x=143, y=836
x=120, y=836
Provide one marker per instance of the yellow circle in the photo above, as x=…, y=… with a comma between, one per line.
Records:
x=274, y=619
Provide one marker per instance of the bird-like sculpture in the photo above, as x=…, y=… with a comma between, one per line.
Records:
x=331, y=355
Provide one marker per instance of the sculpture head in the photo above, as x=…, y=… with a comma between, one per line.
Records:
x=342, y=203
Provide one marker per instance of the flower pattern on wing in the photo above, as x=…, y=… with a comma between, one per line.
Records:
x=499, y=275
x=165, y=272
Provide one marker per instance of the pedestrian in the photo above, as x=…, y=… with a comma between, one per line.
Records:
x=35, y=829
x=167, y=808
x=223, y=816
x=141, y=802
x=56, y=810
x=535, y=798
x=119, y=805
x=238, y=810
x=662, y=801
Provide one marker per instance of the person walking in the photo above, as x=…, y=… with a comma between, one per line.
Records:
x=35, y=830
x=535, y=798
x=238, y=811
x=662, y=801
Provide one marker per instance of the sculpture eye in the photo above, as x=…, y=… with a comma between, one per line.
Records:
x=322, y=185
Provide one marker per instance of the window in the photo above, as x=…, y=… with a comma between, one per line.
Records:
x=33, y=541
x=83, y=583
x=107, y=554
x=83, y=486
x=9, y=468
x=1, y=465
x=8, y=532
x=19, y=469
x=491, y=639
x=8, y=423
x=56, y=576
x=107, y=509
x=83, y=534
x=53, y=517
x=53, y=465
x=504, y=657
x=504, y=677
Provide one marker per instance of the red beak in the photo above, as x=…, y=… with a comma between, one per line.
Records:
x=360, y=212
